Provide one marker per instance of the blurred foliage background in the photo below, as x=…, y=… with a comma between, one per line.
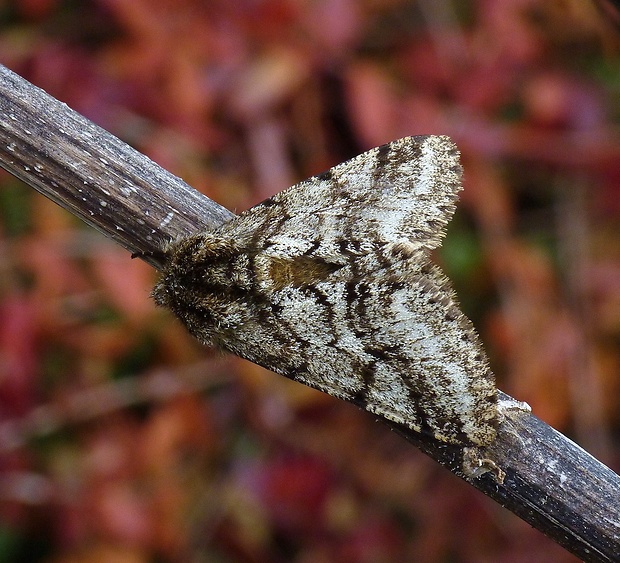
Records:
x=123, y=440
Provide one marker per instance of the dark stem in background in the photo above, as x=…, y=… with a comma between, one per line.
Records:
x=530, y=469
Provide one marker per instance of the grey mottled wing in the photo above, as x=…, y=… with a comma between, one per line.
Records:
x=329, y=283
x=402, y=193
x=400, y=349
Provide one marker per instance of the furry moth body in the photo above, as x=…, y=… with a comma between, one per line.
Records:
x=329, y=283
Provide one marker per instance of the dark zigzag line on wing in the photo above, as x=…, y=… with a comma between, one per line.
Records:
x=356, y=309
x=418, y=394
x=432, y=397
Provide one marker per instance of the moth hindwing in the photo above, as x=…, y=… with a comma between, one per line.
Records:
x=329, y=283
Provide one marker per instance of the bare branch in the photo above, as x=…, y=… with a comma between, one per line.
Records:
x=94, y=175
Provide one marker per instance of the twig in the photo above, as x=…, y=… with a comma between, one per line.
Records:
x=93, y=174
x=531, y=469
x=84, y=405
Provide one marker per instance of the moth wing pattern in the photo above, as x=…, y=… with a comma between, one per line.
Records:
x=329, y=283
x=402, y=193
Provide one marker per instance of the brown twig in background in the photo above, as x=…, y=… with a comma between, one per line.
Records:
x=531, y=469
x=85, y=405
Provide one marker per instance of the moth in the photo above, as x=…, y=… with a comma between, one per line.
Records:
x=330, y=283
